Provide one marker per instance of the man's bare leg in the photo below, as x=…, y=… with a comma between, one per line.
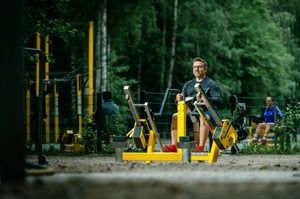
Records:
x=196, y=132
x=174, y=135
x=203, y=132
x=202, y=136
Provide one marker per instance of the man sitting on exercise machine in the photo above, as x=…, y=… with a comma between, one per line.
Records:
x=200, y=128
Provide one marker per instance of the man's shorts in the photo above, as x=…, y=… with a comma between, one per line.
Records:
x=213, y=122
x=174, y=125
x=196, y=127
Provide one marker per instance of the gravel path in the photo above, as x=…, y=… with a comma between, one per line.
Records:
x=232, y=176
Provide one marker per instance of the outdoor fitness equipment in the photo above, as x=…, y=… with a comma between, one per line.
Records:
x=144, y=134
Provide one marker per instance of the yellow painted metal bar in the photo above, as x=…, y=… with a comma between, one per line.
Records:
x=130, y=133
x=151, y=155
x=154, y=156
x=47, y=99
x=200, y=156
x=37, y=81
x=56, y=112
x=210, y=157
x=28, y=121
x=151, y=143
x=214, y=153
x=181, y=110
x=91, y=69
x=79, y=103
x=181, y=121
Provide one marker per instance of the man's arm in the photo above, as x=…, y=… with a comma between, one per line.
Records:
x=214, y=95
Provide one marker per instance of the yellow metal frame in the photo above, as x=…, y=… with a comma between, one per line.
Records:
x=224, y=134
x=37, y=81
x=91, y=70
x=75, y=146
x=79, y=102
x=56, y=112
x=28, y=121
x=150, y=155
x=47, y=98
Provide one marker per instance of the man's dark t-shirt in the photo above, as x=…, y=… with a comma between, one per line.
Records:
x=210, y=87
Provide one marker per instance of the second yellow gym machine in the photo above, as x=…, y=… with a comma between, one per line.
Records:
x=144, y=134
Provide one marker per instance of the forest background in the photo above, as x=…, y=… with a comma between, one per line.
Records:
x=251, y=46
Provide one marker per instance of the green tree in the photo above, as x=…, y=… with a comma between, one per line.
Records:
x=262, y=54
x=45, y=18
x=252, y=46
x=242, y=44
x=286, y=15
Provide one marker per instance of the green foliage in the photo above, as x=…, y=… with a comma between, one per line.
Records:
x=285, y=15
x=112, y=125
x=118, y=71
x=250, y=148
x=285, y=129
x=252, y=46
x=48, y=18
x=248, y=44
x=52, y=149
x=262, y=55
x=90, y=139
x=285, y=141
x=242, y=44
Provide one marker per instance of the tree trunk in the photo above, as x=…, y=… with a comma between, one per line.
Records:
x=73, y=88
x=163, y=56
x=104, y=47
x=172, y=61
x=98, y=51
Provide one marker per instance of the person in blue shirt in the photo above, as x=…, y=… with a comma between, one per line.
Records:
x=272, y=112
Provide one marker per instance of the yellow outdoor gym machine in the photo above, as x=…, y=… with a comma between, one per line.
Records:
x=144, y=134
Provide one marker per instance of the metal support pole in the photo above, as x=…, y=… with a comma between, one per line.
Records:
x=186, y=145
x=40, y=97
x=28, y=119
x=37, y=67
x=153, y=126
x=79, y=102
x=119, y=143
x=47, y=104
x=99, y=124
x=132, y=106
x=56, y=112
x=119, y=151
x=40, y=112
x=181, y=117
x=91, y=69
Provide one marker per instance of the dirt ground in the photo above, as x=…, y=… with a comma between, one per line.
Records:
x=95, y=176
